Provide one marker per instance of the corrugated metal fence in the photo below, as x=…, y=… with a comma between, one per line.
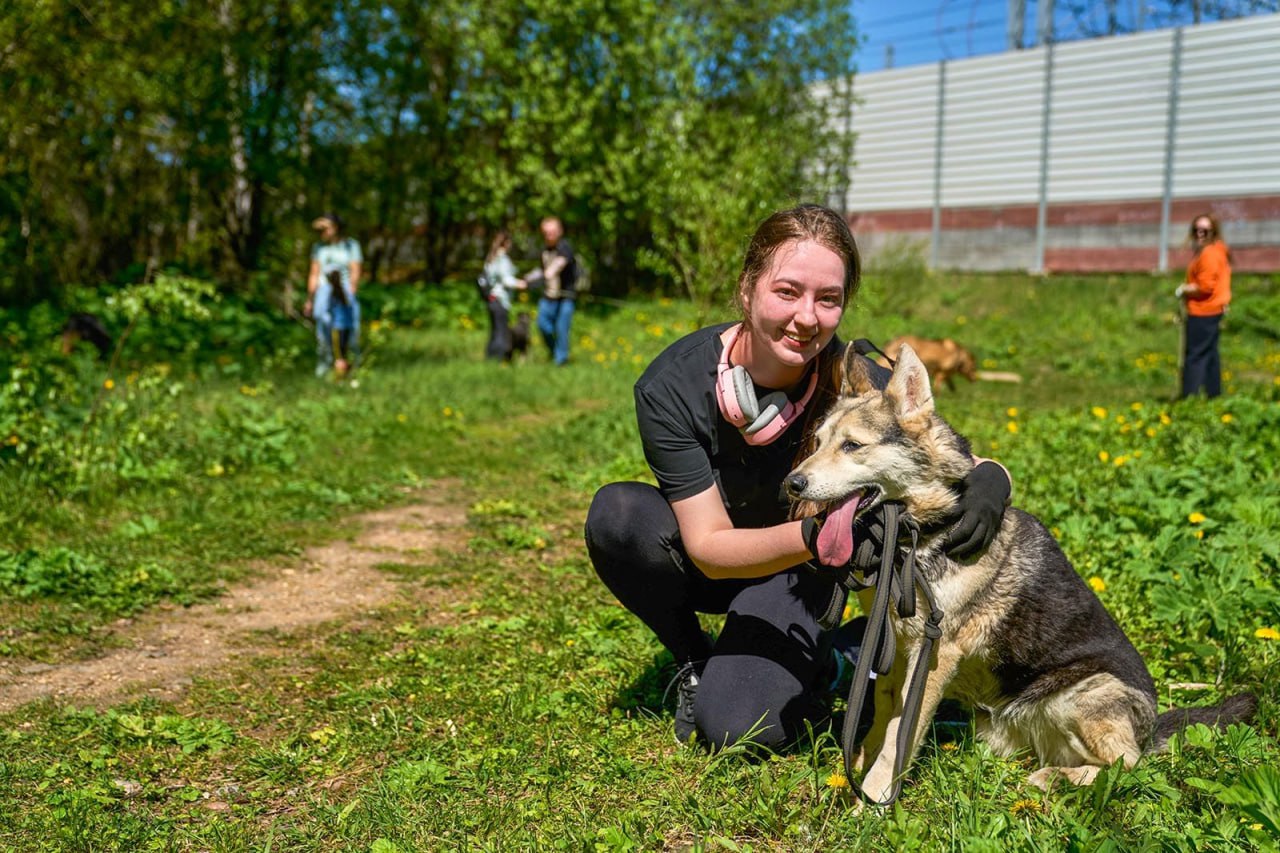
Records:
x=1091, y=146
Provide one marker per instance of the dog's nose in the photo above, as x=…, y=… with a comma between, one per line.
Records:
x=796, y=483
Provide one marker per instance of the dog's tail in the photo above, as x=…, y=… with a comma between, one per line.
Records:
x=1236, y=709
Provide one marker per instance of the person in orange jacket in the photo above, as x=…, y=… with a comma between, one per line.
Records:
x=1205, y=295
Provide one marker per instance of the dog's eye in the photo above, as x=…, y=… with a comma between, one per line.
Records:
x=850, y=446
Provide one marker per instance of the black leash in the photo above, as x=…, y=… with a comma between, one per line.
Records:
x=894, y=585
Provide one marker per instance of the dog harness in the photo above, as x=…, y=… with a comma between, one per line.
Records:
x=895, y=583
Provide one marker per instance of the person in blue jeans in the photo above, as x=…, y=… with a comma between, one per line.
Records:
x=336, y=262
x=559, y=278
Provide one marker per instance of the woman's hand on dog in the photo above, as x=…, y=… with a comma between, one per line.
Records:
x=984, y=494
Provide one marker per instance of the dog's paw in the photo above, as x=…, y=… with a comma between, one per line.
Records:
x=1044, y=778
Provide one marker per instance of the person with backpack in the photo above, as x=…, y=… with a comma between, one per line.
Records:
x=334, y=278
x=496, y=283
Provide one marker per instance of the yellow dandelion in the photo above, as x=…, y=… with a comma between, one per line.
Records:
x=847, y=614
x=1267, y=633
x=837, y=780
x=215, y=470
x=1119, y=460
x=109, y=384
x=1196, y=517
x=402, y=418
x=1097, y=584
x=1012, y=426
x=570, y=643
x=447, y=411
x=1012, y=411
x=1056, y=531
x=1151, y=432
x=1137, y=407
x=1103, y=456
x=961, y=320
x=1165, y=419
x=1228, y=418
x=1098, y=412
x=1256, y=827
x=1025, y=806
x=1199, y=534
x=13, y=440
x=950, y=746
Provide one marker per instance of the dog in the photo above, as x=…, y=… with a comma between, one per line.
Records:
x=87, y=327
x=1025, y=641
x=520, y=336
x=944, y=358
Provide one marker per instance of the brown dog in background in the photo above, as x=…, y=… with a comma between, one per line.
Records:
x=943, y=359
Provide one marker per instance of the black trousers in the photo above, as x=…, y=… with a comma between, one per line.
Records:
x=499, y=346
x=767, y=674
x=1201, y=367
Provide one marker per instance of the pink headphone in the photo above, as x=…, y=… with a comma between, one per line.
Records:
x=760, y=421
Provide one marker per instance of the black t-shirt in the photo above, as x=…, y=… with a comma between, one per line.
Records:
x=689, y=445
x=569, y=275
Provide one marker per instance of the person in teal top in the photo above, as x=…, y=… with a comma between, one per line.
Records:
x=336, y=261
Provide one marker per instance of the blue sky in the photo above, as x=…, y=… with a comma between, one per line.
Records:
x=923, y=31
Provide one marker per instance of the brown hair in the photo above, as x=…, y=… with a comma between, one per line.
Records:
x=813, y=222
x=1215, y=233
x=501, y=240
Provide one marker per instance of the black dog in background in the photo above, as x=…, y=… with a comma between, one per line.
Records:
x=86, y=327
x=520, y=336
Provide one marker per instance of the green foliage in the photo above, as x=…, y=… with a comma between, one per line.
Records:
x=63, y=574
x=209, y=137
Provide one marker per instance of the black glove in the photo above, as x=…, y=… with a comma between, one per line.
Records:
x=984, y=494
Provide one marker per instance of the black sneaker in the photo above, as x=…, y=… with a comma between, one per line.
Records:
x=685, y=684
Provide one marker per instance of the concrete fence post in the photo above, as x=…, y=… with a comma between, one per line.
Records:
x=1042, y=206
x=1170, y=142
x=935, y=237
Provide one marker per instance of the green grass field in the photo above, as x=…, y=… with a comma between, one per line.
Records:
x=502, y=699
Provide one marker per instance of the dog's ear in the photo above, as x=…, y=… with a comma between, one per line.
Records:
x=909, y=391
x=855, y=377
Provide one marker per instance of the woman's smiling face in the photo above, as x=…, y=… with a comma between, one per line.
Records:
x=792, y=312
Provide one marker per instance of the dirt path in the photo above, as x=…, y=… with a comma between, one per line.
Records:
x=162, y=649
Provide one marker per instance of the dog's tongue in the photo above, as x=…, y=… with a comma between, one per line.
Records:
x=835, y=539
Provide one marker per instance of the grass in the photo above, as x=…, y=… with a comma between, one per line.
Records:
x=517, y=706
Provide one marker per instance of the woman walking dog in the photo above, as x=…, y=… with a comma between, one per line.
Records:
x=722, y=414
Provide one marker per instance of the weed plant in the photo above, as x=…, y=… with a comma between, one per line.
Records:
x=508, y=702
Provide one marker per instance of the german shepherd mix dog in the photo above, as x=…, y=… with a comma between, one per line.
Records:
x=1025, y=642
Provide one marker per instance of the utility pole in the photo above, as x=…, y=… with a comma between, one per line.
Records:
x=1044, y=22
x=1017, y=23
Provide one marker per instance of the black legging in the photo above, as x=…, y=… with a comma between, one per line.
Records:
x=767, y=674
